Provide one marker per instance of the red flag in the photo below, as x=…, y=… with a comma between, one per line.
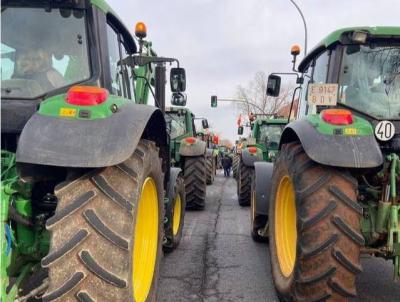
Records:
x=239, y=120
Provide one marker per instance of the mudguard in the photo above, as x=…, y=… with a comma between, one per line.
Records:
x=196, y=149
x=263, y=175
x=65, y=142
x=250, y=158
x=346, y=151
x=173, y=176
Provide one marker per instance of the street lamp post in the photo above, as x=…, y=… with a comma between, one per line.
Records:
x=305, y=25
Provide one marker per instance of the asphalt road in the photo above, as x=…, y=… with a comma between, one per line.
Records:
x=218, y=261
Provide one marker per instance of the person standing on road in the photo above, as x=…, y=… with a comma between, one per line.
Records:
x=227, y=165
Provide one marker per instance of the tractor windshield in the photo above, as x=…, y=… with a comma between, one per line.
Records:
x=270, y=135
x=370, y=80
x=176, y=123
x=42, y=50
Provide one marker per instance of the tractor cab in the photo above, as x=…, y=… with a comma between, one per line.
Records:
x=267, y=133
x=181, y=122
x=355, y=70
x=49, y=47
x=363, y=64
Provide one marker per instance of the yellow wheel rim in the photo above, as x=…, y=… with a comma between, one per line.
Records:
x=285, y=226
x=177, y=214
x=145, y=241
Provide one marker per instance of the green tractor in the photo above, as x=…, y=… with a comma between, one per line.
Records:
x=88, y=197
x=333, y=194
x=211, y=141
x=189, y=154
x=262, y=145
x=239, y=144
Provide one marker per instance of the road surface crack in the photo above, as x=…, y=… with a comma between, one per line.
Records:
x=210, y=274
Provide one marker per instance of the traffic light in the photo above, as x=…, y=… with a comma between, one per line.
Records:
x=214, y=101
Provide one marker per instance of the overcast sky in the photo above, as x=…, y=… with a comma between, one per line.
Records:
x=223, y=43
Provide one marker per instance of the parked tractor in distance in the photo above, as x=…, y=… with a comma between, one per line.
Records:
x=189, y=154
x=239, y=145
x=85, y=161
x=262, y=145
x=211, y=141
x=334, y=190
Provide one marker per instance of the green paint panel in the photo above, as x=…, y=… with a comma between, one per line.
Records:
x=103, y=6
x=24, y=246
x=360, y=126
x=57, y=106
x=374, y=31
x=334, y=37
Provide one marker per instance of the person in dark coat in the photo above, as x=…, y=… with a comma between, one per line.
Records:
x=227, y=165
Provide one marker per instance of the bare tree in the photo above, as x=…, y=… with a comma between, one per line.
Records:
x=255, y=92
x=225, y=142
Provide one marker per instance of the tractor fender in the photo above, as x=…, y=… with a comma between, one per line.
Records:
x=250, y=158
x=262, y=177
x=173, y=176
x=196, y=149
x=65, y=142
x=346, y=151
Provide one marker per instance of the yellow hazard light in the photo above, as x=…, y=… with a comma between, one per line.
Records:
x=295, y=50
x=140, y=30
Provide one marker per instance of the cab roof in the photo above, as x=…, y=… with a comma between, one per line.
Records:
x=280, y=121
x=103, y=6
x=181, y=109
x=334, y=38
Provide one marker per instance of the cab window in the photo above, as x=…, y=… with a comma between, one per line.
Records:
x=121, y=75
x=114, y=58
x=320, y=70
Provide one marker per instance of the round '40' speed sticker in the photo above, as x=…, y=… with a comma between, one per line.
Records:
x=384, y=131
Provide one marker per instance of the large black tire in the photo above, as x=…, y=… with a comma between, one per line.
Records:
x=328, y=237
x=215, y=164
x=235, y=165
x=244, y=184
x=258, y=222
x=210, y=170
x=195, y=182
x=172, y=235
x=94, y=228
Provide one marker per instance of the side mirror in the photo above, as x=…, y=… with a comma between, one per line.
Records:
x=178, y=79
x=178, y=99
x=240, y=130
x=273, y=85
x=204, y=123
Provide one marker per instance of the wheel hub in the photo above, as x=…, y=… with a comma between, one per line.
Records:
x=145, y=241
x=177, y=215
x=285, y=226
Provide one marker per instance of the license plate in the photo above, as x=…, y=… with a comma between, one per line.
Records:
x=322, y=94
